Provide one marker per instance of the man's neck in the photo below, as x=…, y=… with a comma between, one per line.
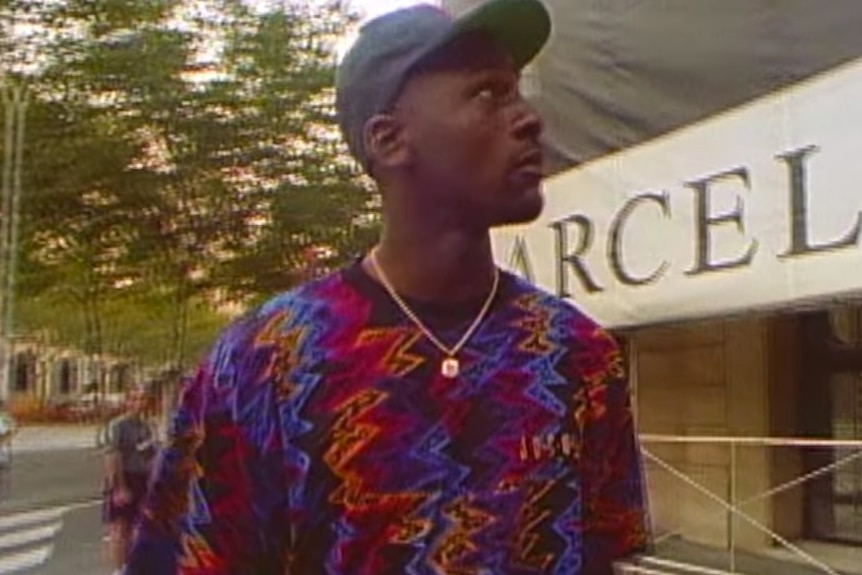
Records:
x=443, y=266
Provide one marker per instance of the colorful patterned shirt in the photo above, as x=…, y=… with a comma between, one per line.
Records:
x=320, y=437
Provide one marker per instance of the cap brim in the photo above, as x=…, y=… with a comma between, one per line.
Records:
x=522, y=27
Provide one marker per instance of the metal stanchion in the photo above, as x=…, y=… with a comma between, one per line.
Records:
x=14, y=100
x=5, y=227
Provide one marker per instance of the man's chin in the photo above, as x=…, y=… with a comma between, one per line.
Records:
x=523, y=211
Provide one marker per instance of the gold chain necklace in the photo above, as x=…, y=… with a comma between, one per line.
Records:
x=450, y=367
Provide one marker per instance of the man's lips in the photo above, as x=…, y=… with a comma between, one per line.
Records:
x=530, y=164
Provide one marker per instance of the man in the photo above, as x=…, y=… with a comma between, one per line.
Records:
x=421, y=411
x=131, y=447
x=8, y=430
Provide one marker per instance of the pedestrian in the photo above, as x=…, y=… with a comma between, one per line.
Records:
x=419, y=411
x=132, y=441
x=8, y=430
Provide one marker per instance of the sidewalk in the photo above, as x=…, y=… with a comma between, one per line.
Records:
x=843, y=560
x=54, y=438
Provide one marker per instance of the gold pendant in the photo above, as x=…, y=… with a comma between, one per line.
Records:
x=450, y=368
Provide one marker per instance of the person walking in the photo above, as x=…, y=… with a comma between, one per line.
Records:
x=131, y=446
x=8, y=430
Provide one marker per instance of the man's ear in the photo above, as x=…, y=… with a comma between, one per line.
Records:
x=386, y=141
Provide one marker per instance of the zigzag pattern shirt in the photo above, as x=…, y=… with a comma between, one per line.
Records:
x=319, y=437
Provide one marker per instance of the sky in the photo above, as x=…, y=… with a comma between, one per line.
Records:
x=367, y=10
x=372, y=8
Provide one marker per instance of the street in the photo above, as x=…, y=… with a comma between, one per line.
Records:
x=53, y=541
x=50, y=508
x=49, y=478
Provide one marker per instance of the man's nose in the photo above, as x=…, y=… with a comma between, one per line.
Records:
x=527, y=124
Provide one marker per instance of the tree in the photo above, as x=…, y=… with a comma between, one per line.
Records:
x=86, y=183
x=283, y=155
x=166, y=177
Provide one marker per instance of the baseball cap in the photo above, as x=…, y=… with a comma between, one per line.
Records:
x=389, y=48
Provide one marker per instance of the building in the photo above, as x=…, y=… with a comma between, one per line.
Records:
x=703, y=203
x=770, y=382
x=43, y=374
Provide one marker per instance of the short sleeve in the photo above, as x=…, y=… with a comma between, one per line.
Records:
x=114, y=436
x=615, y=522
x=214, y=504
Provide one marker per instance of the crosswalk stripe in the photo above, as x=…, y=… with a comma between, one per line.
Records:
x=27, y=538
x=25, y=560
x=31, y=517
x=30, y=536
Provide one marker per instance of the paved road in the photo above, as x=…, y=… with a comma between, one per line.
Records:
x=50, y=513
x=50, y=508
x=37, y=438
x=50, y=478
x=53, y=541
x=79, y=548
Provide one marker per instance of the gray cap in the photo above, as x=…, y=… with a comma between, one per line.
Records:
x=373, y=72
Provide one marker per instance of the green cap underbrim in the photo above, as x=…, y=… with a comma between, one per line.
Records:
x=522, y=27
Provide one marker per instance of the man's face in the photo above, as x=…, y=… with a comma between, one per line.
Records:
x=137, y=402
x=473, y=140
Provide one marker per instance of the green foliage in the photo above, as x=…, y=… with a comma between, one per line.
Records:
x=179, y=157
